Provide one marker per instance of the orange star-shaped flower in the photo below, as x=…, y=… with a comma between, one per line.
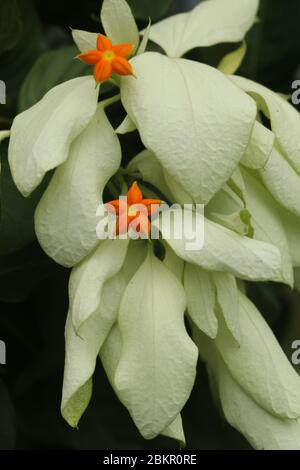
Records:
x=133, y=211
x=108, y=59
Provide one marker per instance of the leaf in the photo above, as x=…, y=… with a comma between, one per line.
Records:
x=205, y=26
x=26, y=43
x=282, y=181
x=285, y=120
x=275, y=51
x=173, y=129
x=65, y=219
x=10, y=24
x=41, y=136
x=201, y=299
x=84, y=40
x=297, y=279
x=143, y=9
x=175, y=431
x=21, y=273
x=136, y=255
x=173, y=263
x=259, y=149
x=227, y=207
x=262, y=429
x=82, y=351
x=59, y=65
x=126, y=126
x=179, y=194
x=239, y=222
x=144, y=42
x=16, y=218
x=119, y=23
x=151, y=171
x=226, y=202
x=274, y=385
x=7, y=420
x=156, y=371
x=291, y=225
x=232, y=61
x=110, y=354
x=223, y=250
x=88, y=277
x=266, y=221
x=4, y=135
x=228, y=301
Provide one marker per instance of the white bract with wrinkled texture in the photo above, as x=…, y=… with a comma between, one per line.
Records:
x=174, y=126
x=205, y=142
x=41, y=136
x=209, y=23
x=65, y=218
x=225, y=250
x=156, y=371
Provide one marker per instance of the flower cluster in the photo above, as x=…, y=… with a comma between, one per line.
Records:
x=206, y=142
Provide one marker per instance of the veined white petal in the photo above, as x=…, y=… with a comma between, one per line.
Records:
x=151, y=170
x=282, y=181
x=223, y=250
x=291, y=225
x=82, y=350
x=126, y=126
x=41, y=136
x=4, y=135
x=232, y=61
x=84, y=40
x=262, y=429
x=197, y=141
x=65, y=218
x=110, y=354
x=201, y=299
x=119, y=23
x=209, y=23
x=260, y=147
x=228, y=302
x=285, y=119
x=266, y=221
x=88, y=277
x=175, y=431
x=259, y=365
x=156, y=371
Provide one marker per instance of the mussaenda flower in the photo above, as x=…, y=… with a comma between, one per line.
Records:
x=107, y=59
x=133, y=209
x=130, y=306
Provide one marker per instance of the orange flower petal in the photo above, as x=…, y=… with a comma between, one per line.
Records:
x=121, y=226
x=122, y=66
x=113, y=206
x=90, y=57
x=103, y=71
x=103, y=43
x=123, y=50
x=122, y=223
x=152, y=205
x=134, y=195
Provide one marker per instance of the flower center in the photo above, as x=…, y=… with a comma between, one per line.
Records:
x=131, y=211
x=108, y=55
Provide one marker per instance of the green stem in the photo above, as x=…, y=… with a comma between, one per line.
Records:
x=258, y=38
x=113, y=189
x=111, y=100
x=5, y=122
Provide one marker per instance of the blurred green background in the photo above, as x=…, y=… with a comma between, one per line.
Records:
x=36, y=53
